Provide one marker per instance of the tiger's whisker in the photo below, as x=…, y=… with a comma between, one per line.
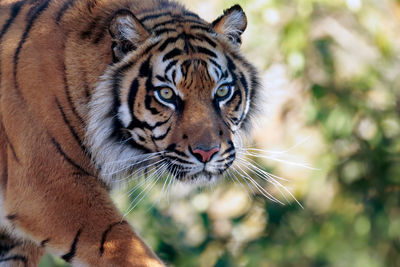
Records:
x=156, y=168
x=238, y=183
x=173, y=176
x=265, y=177
x=162, y=191
x=248, y=185
x=304, y=140
x=141, y=157
x=143, y=168
x=270, y=178
x=259, y=168
x=264, y=192
x=303, y=165
x=134, y=164
x=143, y=194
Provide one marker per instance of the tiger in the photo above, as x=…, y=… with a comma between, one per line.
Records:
x=90, y=91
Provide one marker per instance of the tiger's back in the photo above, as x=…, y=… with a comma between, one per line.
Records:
x=86, y=83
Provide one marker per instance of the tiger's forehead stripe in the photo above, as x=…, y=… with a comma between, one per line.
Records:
x=155, y=16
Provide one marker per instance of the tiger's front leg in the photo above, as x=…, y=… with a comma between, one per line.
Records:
x=74, y=218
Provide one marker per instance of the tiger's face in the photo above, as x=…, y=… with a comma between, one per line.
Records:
x=179, y=97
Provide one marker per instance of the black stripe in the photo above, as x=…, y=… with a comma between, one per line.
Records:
x=234, y=121
x=228, y=164
x=147, y=102
x=200, y=27
x=206, y=51
x=132, y=95
x=178, y=20
x=68, y=257
x=174, y=158
x=44, y=242
x=218, y=73
x=173, y=53
x=188, y=46
x=5, y=248
x=208, y=40
x=164, y=23
x=61, y=151
x=160, y=78
x=216, y=64
x=139, y=146
x=230, y=157
x=180, y=153
x=136, y=123
x=141, y=138
x=86, y=34
x=229, y=149
x=11, y=146
x=69, y=97
x=162, y=31
x=71, y=129
x=174, y=76
x=12, y=217
x=190, y=84
x=244, y=84
x=36, y=11
x=16, y=258
x=185, y=68
x=225, y=74
x=105, y=233
x=148, y=49
x=231, y=65
x=154, y=16
x=63, y=10
x=170, y=65
x=190, y=14
x=15, y=9
x=167, y=42
x=145, y=70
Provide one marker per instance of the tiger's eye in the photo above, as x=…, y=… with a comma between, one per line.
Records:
x=166, y=93
x=223, y=91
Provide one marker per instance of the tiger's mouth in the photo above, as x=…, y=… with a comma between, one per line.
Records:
x=203, y=173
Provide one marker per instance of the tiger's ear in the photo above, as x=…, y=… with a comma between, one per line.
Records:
x=231, y=24
x=127, y=33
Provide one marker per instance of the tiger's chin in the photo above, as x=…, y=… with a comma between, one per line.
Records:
x=203, y=178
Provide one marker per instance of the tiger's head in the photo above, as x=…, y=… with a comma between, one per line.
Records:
x=175, y=97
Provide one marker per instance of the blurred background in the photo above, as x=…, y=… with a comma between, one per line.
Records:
x=329, y=126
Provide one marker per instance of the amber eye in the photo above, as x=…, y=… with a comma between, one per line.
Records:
x=166, y=94
x=223, y=91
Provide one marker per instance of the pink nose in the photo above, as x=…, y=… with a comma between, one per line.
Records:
x=205, y=155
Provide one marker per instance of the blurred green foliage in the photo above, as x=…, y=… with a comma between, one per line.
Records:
x=346, y=56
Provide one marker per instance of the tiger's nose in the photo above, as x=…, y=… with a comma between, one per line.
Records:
x=204, y=155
